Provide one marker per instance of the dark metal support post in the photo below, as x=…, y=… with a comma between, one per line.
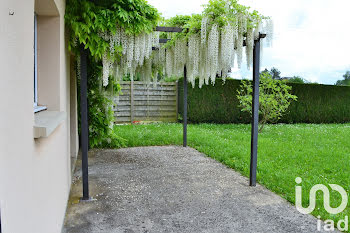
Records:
x=84, y=123
x=255, y=113
x=177, y=29
x=185, y=109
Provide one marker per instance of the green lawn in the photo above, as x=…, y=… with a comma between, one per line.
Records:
x=319, y=154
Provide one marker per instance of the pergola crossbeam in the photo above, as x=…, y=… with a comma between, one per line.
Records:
x=164, y=41
x=168, y=29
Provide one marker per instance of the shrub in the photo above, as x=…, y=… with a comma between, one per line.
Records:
x=274, y=99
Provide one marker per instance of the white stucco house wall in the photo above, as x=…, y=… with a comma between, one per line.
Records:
x=36, y=149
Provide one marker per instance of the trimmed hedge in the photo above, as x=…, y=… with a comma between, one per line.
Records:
x=316, y=104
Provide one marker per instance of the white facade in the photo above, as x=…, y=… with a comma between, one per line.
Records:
x=35, y=174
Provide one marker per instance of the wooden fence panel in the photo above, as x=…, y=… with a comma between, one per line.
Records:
x=142, y=102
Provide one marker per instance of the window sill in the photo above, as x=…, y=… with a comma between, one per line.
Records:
x=39, y=109
x=46, y=122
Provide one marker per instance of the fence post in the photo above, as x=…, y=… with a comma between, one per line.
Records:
x=132, y=101
x=177, y=100
x=148, y=107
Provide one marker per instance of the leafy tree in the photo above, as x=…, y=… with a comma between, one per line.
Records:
x=265, y=71
x=275, y=98
x=345, y=81
x=297, y=79
x=274, y=72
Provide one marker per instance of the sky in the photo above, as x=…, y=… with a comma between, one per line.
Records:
x=311, y=39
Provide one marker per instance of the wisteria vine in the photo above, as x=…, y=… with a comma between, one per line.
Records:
x=210, y=45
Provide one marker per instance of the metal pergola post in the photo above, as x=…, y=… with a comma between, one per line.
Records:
x=255, y=113
x=185, y=84
x=185, y=109
x=84, y=123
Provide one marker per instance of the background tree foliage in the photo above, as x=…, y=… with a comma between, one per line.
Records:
x=274, y=72
x=275, y=98
x=345, y=81
x=297, y=79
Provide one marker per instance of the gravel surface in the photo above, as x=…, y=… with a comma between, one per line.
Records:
x=175, y=189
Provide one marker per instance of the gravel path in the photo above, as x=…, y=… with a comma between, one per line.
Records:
x=175, y=189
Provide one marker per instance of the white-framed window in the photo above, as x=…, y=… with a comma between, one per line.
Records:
x=35, y=61
x=37, y=108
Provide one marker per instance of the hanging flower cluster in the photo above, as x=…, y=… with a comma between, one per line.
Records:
x=214, y=49
x=136, y=54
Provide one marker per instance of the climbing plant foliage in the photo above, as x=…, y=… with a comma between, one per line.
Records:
x=95, y=24
x=101, y=114
x=215, y=41
x=119, y=33
x=122, y=36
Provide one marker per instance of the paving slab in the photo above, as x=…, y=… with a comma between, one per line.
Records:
x=175, y=189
